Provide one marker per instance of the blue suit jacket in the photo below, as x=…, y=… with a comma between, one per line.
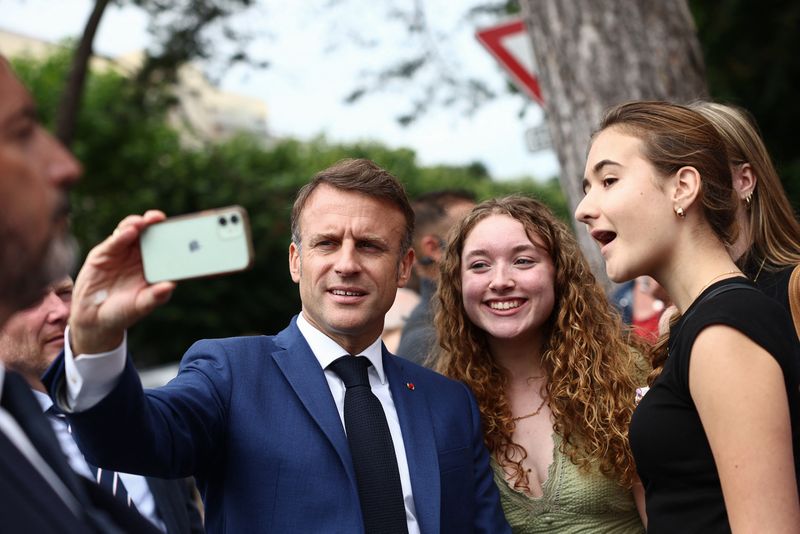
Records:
x=254, y=420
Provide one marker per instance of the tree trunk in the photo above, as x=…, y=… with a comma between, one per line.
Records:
x=70, y=104
x=593, y=54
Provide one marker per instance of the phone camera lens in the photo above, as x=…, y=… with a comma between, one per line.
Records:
x=234, y=219
x=223, y=221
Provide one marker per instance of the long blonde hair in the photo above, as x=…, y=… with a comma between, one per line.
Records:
x=773, y=233
x=588, y=365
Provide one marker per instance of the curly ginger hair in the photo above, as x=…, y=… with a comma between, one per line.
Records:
x=589, y=366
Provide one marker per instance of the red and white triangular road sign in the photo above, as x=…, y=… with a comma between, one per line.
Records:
x=510, y=45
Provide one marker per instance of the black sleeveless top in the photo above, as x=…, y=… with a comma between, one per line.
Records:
x=773, y=283
x=673, y=456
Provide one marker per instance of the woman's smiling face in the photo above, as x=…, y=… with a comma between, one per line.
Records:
x=507, y=280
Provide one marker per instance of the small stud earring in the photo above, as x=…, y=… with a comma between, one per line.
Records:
x=680, y=213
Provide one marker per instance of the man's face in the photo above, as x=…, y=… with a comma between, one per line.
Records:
x=35, y=174
x=349, y=265
x=32, y=338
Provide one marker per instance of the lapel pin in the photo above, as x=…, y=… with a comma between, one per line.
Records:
x=410, y=385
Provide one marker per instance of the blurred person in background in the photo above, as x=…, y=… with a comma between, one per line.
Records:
x=641, y=302
x=397, y=316
x=768, y=244
x=436, y=213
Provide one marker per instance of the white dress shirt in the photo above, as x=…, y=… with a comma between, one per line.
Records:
x=91, y=377
x=326, y=351
x=135, y=485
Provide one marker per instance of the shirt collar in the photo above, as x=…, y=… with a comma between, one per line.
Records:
x=2, y=377
x=326, y=349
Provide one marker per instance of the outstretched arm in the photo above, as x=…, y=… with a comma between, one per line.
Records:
x=169, y=432
x=740, y=395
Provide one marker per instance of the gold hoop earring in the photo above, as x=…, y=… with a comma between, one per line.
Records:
x=680, y=213
x=748, y=198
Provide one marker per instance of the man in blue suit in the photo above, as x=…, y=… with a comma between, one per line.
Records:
x=265, y=423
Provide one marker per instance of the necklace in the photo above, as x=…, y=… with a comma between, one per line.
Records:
x=533, y=413
x=759, y=270
x=715, y=279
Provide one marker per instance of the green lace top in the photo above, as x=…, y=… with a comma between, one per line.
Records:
x=574, y=501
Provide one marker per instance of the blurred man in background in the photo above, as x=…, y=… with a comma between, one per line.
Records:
x=436, y=212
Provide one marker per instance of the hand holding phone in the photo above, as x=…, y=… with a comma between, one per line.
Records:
x=207, y=243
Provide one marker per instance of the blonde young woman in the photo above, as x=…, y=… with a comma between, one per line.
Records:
x=522, y=321
x=717, y=437
x=768, y=245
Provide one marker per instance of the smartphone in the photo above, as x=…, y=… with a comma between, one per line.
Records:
x=206, y=243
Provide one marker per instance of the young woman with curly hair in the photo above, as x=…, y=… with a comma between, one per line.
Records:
x=717, y=437
x=522, y=321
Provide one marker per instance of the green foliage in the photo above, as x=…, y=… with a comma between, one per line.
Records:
x=135, y=161
x=750, y=52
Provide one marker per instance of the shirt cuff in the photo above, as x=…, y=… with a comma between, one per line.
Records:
x=90, y=377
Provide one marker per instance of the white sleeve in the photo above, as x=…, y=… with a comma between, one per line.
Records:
x=90, y=377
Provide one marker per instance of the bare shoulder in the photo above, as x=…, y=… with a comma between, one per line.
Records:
x=721, y=352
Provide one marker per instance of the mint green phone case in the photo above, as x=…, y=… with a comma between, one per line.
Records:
x=205, y=243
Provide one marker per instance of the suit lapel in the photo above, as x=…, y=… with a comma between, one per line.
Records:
x=19, y=401
x=417, y=427
x=22, y=483
x=301, y=368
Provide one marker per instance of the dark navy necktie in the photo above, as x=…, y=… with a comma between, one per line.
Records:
x=371, y=447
